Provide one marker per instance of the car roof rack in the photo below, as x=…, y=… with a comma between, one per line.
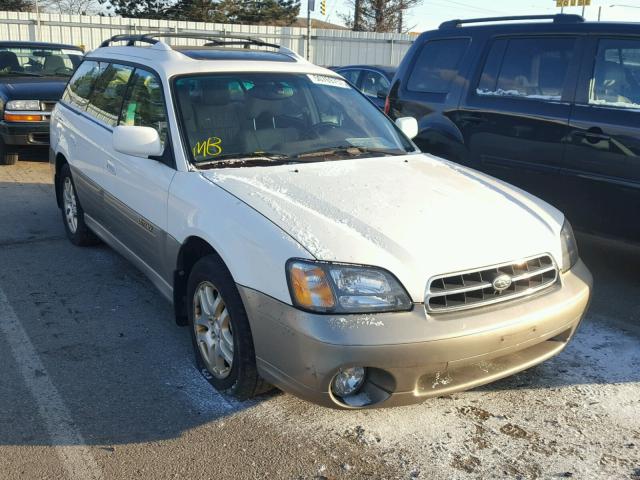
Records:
x=215, y=39
x=558, y=18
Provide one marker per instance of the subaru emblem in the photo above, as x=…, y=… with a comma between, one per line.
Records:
x=501, y=282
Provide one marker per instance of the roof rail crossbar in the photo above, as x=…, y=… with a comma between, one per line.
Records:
x=214, y=39
x=559, y=18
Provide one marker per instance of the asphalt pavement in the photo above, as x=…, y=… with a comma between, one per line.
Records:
x=98, y=382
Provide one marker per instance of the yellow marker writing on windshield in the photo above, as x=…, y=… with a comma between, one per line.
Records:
x=208, y=148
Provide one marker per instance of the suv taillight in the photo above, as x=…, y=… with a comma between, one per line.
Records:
x=387, y=105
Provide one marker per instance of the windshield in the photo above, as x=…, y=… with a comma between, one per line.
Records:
x=280, y=117
x=38, y=61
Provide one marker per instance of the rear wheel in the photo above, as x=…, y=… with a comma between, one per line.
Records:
x=220, y=331
x=72, y=213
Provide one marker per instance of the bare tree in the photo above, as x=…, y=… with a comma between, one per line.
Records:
x=73, y=7
x=378, y=15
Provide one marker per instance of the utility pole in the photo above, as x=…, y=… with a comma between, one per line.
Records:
x=400, y=15
x=311, y=5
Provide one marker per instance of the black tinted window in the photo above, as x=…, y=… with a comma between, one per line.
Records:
x=527, y=67
x=107, y=95
x=82, y=82
x=437, y=65
x=616, y=77
x=144, y=105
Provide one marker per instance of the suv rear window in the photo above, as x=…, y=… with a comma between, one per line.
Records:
x=534, y=68
x=437, y=65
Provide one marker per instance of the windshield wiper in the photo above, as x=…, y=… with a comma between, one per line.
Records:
x=350, y=150
x=244, y=160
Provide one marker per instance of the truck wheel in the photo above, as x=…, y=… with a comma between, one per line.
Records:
x=7, y=158
x=220, y=331
x=72, y=213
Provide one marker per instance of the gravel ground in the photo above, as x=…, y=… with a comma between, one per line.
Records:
x=97, y=381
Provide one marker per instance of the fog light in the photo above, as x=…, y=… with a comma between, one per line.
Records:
x=348, y=381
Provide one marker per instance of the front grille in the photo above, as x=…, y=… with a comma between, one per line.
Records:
x=475, y=288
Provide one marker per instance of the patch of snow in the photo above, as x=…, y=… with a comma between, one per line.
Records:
x=355, y=321
x=515, y=93
x=607, y=103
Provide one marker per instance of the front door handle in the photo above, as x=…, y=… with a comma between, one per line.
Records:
x=593, y=135
x=111, y=168
x=472, y=118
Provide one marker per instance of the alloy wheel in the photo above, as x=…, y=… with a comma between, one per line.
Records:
x=213, y=331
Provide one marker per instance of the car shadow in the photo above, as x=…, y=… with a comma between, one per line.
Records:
x=106, y=338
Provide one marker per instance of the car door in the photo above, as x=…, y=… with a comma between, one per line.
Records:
x=603, y=152
x=515, y=117
x=137, y=188
x=79, y=130
x=375, y=86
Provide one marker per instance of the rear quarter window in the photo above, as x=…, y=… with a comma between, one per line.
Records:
x=437, y=65
x=81, y=84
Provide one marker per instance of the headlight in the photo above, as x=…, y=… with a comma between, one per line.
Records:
x=32, y=105
x=569, y=247
x=342, y=288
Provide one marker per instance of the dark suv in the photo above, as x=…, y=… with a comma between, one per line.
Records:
x=553, y=107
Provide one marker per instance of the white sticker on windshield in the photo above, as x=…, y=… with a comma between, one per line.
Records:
x=368, y=142
x=67, y=51
x=328, y=80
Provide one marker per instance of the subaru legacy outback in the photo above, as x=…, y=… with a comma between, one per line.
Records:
x=300, y=234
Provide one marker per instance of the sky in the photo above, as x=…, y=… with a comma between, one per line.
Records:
x=431, y=13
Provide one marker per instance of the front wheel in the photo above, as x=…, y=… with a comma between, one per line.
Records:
x=220, y=331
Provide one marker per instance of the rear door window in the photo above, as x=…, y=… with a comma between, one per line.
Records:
x=106, y=99
x=616, y=76
x=82, y=83
x=437, y=65
x=534, y=68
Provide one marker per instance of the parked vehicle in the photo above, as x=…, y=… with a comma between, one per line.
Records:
x=372, y=80
x=553, y=108
x=300, y=233
x=32, y=78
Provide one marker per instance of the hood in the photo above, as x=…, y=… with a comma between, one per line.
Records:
x=33, y=88
x=416, y=215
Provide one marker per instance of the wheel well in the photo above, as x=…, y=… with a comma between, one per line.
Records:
x=192, y=250
x=60, y=161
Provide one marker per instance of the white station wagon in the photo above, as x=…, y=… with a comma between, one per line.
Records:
x=299, y=232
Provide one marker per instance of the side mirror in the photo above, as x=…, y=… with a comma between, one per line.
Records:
x=137, y=141
x=408, y=125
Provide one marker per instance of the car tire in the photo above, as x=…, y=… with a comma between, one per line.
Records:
x=5, y=157
x=220, y=331
x=72, y=213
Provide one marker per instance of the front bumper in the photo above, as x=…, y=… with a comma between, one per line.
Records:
x=24, y=134
x=411, y=356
